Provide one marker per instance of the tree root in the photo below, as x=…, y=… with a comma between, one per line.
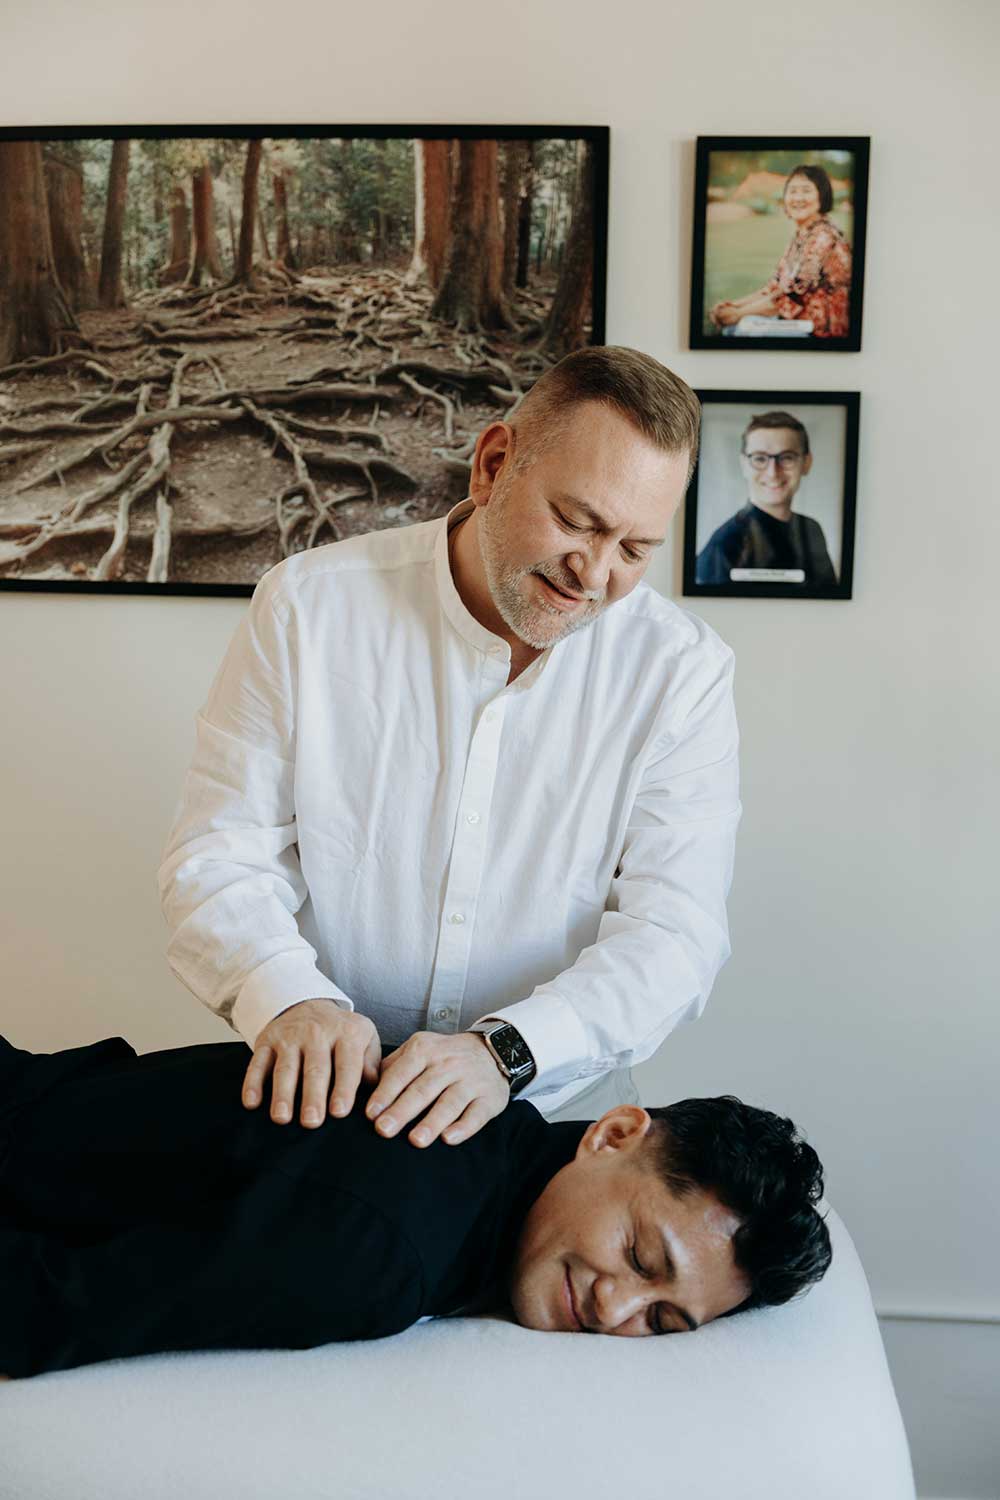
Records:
x=303, y=485
x=159, y=561
x=194, y=335
x=15, y=451
x=139, y=423
x=113, y=561
x=155, y=460
x=425, y=390
x=295, y=395
x=50, y=362
x=453, y=463
x=471, y=379
x=365, y=435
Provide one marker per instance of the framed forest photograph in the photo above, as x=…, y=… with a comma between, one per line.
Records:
x=223, y=345
x=771, y=506
x=779, y=242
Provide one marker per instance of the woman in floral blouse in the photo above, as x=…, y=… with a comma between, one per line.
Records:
x=813, y=279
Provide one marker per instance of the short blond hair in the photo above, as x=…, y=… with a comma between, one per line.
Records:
x=655, y=400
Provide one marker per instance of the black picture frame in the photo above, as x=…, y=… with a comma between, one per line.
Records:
x=859, y=148
x=755, y=402
x=596, y=138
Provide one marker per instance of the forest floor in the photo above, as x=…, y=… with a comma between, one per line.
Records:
x=206, y=434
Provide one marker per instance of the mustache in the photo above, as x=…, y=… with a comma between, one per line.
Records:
x=595, y=596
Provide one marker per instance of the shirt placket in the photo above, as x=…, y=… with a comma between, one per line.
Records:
x=465, y=868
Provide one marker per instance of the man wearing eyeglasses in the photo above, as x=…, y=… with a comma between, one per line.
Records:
x=767, y=539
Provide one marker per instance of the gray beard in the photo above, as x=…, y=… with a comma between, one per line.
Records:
x=523, y=618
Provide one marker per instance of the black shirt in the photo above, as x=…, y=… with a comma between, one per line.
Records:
x=142, y=1209
x=754, y=539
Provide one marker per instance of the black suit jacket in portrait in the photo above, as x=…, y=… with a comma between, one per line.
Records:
x=143, y=1209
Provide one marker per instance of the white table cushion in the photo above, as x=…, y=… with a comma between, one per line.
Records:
x=792, y=1403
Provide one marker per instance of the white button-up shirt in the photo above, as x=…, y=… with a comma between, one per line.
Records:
x=374, y=815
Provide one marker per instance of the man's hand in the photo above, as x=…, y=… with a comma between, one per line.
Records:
x=317, y=1040
x=454, y=1077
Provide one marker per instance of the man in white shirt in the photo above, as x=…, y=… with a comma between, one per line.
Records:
x=441, y=782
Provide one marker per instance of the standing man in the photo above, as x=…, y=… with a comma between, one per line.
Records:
x=468, y=789
x=767, y=534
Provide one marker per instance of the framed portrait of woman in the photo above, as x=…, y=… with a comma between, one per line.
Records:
x=770, y=508
x=779, y=242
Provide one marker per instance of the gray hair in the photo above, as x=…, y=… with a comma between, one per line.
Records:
x=655, y=400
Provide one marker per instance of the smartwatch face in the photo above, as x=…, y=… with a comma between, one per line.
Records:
x=511, y=1048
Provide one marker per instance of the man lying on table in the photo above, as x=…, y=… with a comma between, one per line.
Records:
x=129, y=1226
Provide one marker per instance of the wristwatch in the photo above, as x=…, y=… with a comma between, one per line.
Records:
x=509, y=1051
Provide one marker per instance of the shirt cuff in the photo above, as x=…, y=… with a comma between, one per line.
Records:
x=556, y=1039
x=278, y=984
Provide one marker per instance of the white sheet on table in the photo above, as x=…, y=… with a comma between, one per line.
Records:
x=794, y=1403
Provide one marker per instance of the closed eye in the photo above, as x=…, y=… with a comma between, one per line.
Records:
x=637, y=1263
x=629, y=553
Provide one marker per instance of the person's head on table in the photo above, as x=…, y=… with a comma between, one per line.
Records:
x=573, y=494
x=666, y=1219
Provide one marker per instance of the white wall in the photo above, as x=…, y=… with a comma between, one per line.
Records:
x=862, y=995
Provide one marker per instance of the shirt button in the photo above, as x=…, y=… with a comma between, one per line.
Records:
x=489, y=715
x=457, y=918
x=442, y=1015
x=472, y=817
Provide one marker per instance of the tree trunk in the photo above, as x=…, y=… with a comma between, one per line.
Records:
x=64, y=190
x=285, y=253
x=524, y=216
x=262, y=231
x=109, y=285
x=251, y=172
x=471, y=290
x=380, y=225
x=347, y=241
x=432, y=193
x=515, y=160
x=158, y=186
x=180, y=239
x=571, y=307
x=206, y=246
x=34, y=315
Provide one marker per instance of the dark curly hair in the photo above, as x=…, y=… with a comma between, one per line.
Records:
x=760, y=1168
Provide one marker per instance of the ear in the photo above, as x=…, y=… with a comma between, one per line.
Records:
x=494, y=446
x=807, y=464
x=622, y=1129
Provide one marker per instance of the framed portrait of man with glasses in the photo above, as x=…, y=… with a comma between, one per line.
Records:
x=770, y=510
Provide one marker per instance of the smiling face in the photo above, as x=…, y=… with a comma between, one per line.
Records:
x=802, y=201
x=564, y=536
x=774, y=464
x=608, y=1247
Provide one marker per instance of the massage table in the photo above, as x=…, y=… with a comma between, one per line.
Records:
x=790, y=1403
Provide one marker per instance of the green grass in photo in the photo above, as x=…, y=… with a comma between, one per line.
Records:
x=742, y=254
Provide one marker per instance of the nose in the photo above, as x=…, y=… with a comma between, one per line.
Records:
x=591, y=566
x=619, y=1307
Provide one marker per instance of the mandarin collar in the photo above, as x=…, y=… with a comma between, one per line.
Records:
x=468, y=627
